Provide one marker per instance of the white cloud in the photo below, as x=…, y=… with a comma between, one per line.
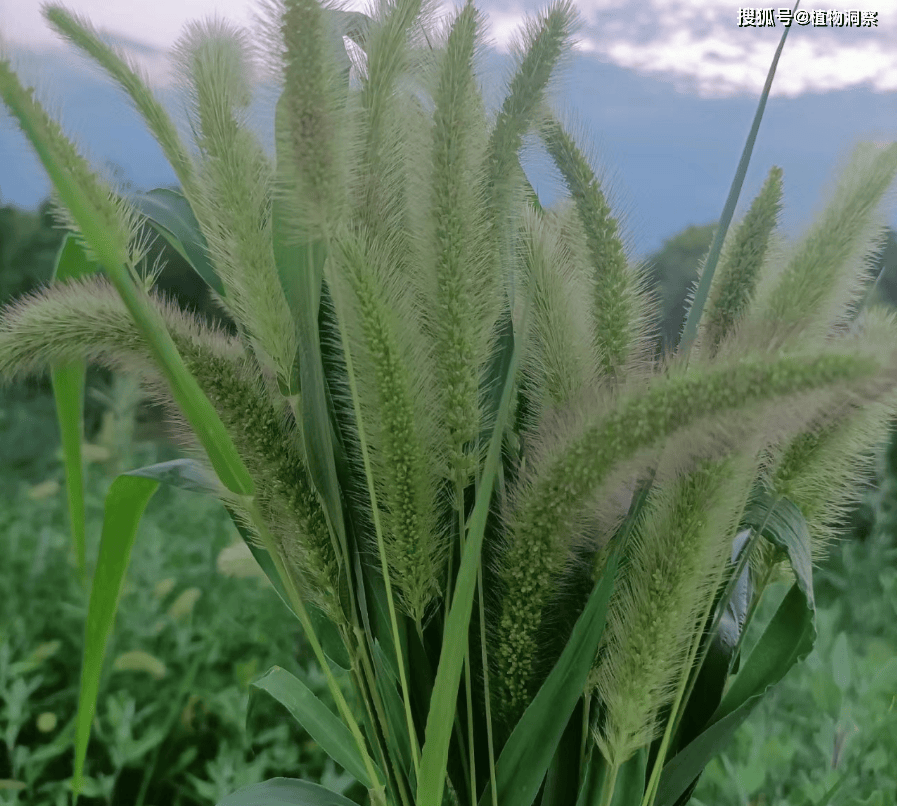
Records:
x=696, y=44
x=699, y=45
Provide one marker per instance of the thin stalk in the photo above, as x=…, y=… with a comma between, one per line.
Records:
x=381, y=548
x=472, y=772
x=378, y=724
x=608, y=785
x=493, y=783
x=369, y=697
x=491, y=747
x=586, y=708
x=448, y=592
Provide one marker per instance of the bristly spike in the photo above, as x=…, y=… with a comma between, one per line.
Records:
x=86, y=319
x=801, y=302
x=739, y=268
x=306, y=57
x=621, y=301
x=233, y=187
x=460, y=296
x=707, y=409
x=79, y=31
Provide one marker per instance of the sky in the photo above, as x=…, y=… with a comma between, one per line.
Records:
x=698, y=45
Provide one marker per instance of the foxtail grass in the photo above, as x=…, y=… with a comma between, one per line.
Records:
x=441, y=427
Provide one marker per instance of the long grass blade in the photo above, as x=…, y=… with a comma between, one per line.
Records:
x=324, y=727
x=125, y=502
x=703, y=289
x=170, y=213
x=440, y=719
x=68, y=392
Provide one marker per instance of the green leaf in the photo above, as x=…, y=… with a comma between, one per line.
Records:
x=563, y=778
x=387, y=684
x=171, y=215
x=700, y=298
x=68, y=393
x=440, y=718
x=185, y=474
x=733, y=617
x=788, y=638
x=523, y=762
x=787, y=528
x=322, y=724
x=329, y=637
x=285, y=792
x=125, y=502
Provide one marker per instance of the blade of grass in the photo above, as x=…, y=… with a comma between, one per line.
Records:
x=68, y=393
x=440, y=718
x=703, y=289
x=125, y=502
x=324, y=727
x=170, y=213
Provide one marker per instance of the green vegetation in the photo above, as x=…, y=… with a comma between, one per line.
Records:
x=830, y=729
x=193, y=632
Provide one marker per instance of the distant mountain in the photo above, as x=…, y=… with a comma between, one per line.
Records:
x=670, y=156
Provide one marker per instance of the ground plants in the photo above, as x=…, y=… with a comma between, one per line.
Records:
x=828, y=732
x=171, y=715
x=441, y=427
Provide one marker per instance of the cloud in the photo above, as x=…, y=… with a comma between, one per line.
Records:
x=697, y=45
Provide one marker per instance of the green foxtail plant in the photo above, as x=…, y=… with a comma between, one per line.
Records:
x=531, y=548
